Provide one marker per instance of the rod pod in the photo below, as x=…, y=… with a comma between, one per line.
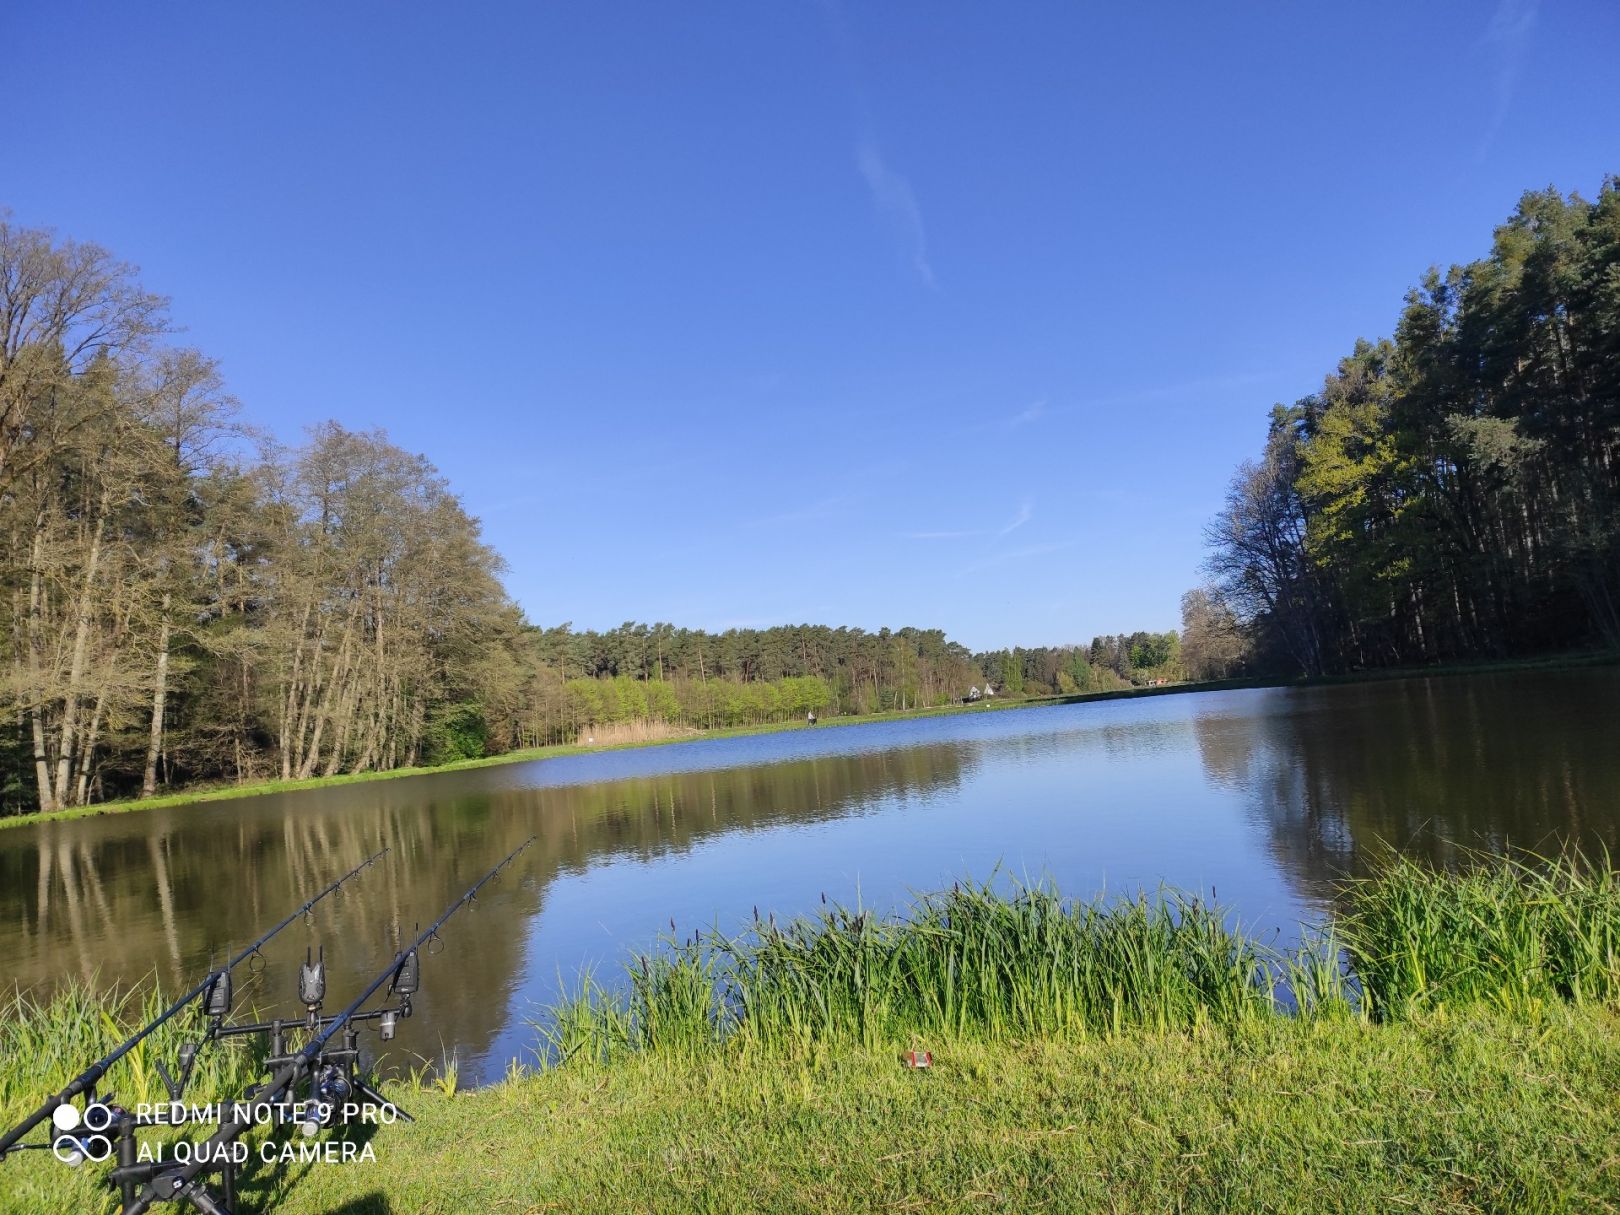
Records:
x=86, y=1081
x=185, y=1183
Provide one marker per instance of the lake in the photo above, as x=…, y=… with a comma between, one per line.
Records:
x=1264, y=797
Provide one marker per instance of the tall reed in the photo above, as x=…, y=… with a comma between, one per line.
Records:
x=977, y=963
x=968, y=962
x=1510, y=932
x=47, y=1041
x=981, y=962
x=620, y=733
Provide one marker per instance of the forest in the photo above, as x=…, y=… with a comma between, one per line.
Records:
x=185, y=601
x=1451, y=492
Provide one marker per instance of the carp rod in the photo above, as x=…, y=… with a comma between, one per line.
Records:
x=216, y=993
x=314, y=1062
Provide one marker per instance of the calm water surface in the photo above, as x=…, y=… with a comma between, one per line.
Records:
x=1263, y=796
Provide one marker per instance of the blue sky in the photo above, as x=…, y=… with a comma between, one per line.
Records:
x=904, y=313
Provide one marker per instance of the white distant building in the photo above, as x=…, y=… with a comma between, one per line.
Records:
x=973, y=693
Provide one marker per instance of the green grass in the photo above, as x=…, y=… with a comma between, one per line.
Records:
x=44, y=1043
x=1125, y=1055
x=1477, y=1113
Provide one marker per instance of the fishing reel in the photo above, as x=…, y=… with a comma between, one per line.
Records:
x=324, y=1066
x=330, y=1089
x=82, y=1128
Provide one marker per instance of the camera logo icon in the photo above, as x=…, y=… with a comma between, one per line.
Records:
x=81, y=1137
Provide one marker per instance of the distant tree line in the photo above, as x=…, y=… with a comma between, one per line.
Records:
x=688, y=677
x=693, y=678
x=1452, y=492
x=1111, y=662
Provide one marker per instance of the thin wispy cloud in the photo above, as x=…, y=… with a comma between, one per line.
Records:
x=554, y=488
x=1188, y=392
x=1033, y=414
x=745, y=622
x=1183, y=392
x=1016, y=554
x=960, y=535
x=1026, y=512
x=1030, y=414
x=896, y=202
x=824, y=508
x=767, y=617
x=1506, y=39
x=892, y=195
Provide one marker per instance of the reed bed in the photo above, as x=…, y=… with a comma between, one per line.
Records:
x=1514, y=933
x=980, y=963
x=628, y=733
x=972, y=962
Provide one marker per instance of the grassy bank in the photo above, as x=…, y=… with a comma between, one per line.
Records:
x=228, y=792
x=1475, y=1113
x=1460, y=1052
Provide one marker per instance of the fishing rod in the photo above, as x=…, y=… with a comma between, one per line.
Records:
x=216, y=993
x=330, y=1075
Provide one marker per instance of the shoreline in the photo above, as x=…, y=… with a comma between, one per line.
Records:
x=1116, y=1055
x=1581, y=659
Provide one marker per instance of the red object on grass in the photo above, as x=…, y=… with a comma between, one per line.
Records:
x=919, y=1058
